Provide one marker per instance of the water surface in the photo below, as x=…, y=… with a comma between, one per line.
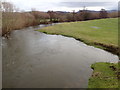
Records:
x=36, y=60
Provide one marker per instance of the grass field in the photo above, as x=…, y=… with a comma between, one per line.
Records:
x=105, y=75
x=102, y=33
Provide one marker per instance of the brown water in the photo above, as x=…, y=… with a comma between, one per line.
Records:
x=36, y=60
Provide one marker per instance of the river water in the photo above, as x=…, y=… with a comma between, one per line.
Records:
x=32, y=59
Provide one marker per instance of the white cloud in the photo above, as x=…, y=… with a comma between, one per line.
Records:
x=45, y=5
x=90, y=0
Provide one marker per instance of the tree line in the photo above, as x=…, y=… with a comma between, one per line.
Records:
x=13, y=19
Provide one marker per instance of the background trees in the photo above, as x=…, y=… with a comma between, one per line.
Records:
x=7, y=7
x=13, y=19
x=84, y=15
x=103, y=13
x=53, y=16
x=7, y=16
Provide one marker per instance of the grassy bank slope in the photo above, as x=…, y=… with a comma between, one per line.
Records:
x=100, y=33
x=105, y=75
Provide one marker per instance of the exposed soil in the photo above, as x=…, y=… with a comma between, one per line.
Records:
x=110, y=48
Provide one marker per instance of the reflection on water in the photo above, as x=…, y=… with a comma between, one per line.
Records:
x=35, y=60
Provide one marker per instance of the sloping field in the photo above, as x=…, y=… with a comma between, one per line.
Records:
x=102, y=33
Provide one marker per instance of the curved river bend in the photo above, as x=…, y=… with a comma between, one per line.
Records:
x=36, y=60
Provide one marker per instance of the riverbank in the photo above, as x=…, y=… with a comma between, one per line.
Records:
x=99, y=33
x=20, y=20
x=105, y=75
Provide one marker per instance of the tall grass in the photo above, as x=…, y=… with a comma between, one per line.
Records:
x=17, y=20
x=113, y=15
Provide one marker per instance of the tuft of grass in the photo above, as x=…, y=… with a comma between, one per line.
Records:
x=102, y=33
x=105, y=75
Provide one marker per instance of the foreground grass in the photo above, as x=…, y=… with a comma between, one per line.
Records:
x=101, y=33
x=105, y=75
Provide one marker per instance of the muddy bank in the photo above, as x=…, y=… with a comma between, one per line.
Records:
x=110, y=48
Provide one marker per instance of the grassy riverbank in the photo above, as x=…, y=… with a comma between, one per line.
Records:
x=105, y=75
x=102, y=33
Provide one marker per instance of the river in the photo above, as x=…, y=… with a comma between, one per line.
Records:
x=32, y=59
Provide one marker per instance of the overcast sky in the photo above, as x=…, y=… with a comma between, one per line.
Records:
x=65, y=5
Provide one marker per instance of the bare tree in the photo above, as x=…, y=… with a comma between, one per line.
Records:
x=51, y=15
x=73, y=15
x=84, y=14
x=103, y=13
x=8, y=7
x=7, y=16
